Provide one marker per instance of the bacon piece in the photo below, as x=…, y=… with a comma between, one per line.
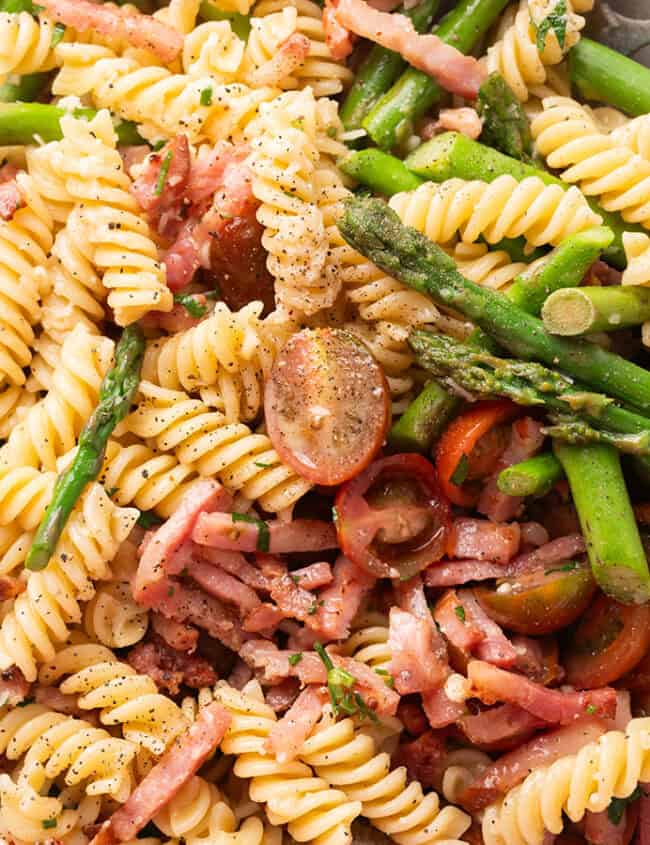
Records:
x=288, y=57
x=643, y=837
x=170, y=669
x=455, y=72
x=177, y=765
x=562, y=548
x=133, y=155
x=463, y=120
x=241, y=674
x=164, y=203
x=179, y=318
x=11, y=199
x=290, y=732
x=454, y=623
x=340, y=602
x=441, y=711
x=542, y=750
x=177, y=635
x=10, y=587
x=14, y=688
x=264, y=619
x=412, y=716
x=494, y=646
x=9, y=171
x=237, y=565
x=54, y=699
x=492, y=684
x=187, y=604
x=301, y=535
x=538, y=659
x=533, y=534
x=223, y=586
x=317, y=575
x=600, y=830
x=139, y=30
x=456, y=572
x=292, y=600
x=281, y=697
x=167, y=551
x=424, y=758
x=483, y=540
x=526, y=439
x=339, y=40
x=500, y=727
x=413, y=663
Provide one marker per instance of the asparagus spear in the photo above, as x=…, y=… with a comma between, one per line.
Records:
x=25, y=88
x=534, y=477
x=375, y=230
x=600, y=73
x=380, y=69
x=452, y=155
x=115, y=395
x=580, y=311
x=424, y=419
x=25, y=123
x=391, y=120
x=240, y=24
x=614, y=546
x=505, y=125
x=381, y=171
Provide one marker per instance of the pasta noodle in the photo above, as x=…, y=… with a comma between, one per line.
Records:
x=113, y=618
x=26, y=44
x=634, y=134
x=198, y=810
x=214, y=50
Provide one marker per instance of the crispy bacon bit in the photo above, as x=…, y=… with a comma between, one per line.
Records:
x=463, y=120
x=526, y=439
x=290, y=732
x=538, y=659
x=164, y=206
x=177, y=635
x=600, y=830
x=317, y=575
x=170, y=669
x=414, y=665
x=456, y=624
x=412, y=716
x=339, y=603
x=264, y=619
x=424, y=758
x=179, y=318
x=339, y=40
x=441, y=711
x=237, y=565
x=481, y=539
x=491, y=684
x=168, y=550
x=494, y=646
x=533, y=534
x=562, y=548
x=455, y=72
x=10, y=587
x=14, y=688
x=182, y=760
x=542, y=750
x=456, y=572
x=300, y=535
x=189, y=605
x=241, y=674
x=139, y=30
x=500, y=727
x=292, y=600
x=11, y=199
x=289, y=56
x=223, y=586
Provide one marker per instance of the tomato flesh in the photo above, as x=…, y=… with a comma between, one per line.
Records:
x=539, y=602
x=327, y=405
x=609, y=641
x=392, y=519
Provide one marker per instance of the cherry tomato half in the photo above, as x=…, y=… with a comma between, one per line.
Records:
x=462, y=438
x=539, y=602
x=327, y=405
x=392, y=519
x=610, y=640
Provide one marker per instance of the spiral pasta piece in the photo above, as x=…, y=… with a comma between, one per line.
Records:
x=637, y=253
x=40, y=617
x=25, y=241
x=567, y=137
x=24, y=494
x=461, y=768
x=609, y=768
x=123, y=697
x=180, y=14
x=243, y=461
x=504, y=208
x=253, y=831
x=242, y=7
x=347, y=759
x=267, y=35
x=290, y=792
x=214, y=50
x=197, y=810
x=370, y=646
x=113, y=618
x=15, y=402
x=320, y=72
x=634, y=134
x=25, y=44
x=14, y=548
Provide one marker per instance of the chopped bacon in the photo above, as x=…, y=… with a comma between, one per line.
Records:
x=134, y=155
x=179, y=318
x=14, y=687
x=339, y=40
x=463, y=120
x=300, y=535
x=424, y=758
x=177, y=635
x=317, y=575
x=11, y=199
x=241, y=674
x=237, y=565
x=189, y=605
x=412, y=716
x=281, y=697
x=168, y=550
x=538, y=659
x=170, y=669
x=218, y=583
x=441, y=710
x=542, y=750
x=10, y=587
x=264, y=619
x=500, y=727
x=533, y=534
x=562, y=548
x=9, y=171
x=494, y=646
x=492, y=684
x=455, y=572
x=455, y=72
x=340, y=602
x=288, y=57
x=455, y=625
x=413, y=664
x=143, y=31
x=290, y=732
x=54, y=699
x=164, y=203
x=177, y=765
x=526, y=439
x=292, y=600
x=601, y=830
x=481, y=539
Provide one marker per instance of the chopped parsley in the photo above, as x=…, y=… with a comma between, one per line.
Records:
x=339, y=685
x=158, y=145
x=459, y=610
x=590, y=709
x=193, y=308
x=206, y=96
x=164, y=170
x=15, y=6
x=459, y=475
x=262, y=465
x=617, y=806
x=386, y=675
x=57, y=34
x=555, y=21
x=335, y=514
x=48, y=824
x=294, y=659
x=263, y=534
x=148, y=519
x=170, y=591
x=566, y=567
x=295, y=579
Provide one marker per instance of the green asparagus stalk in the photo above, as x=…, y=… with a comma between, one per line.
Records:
x=580, y=311
x=505, y=125
x=380, y=69
x=391, y=120
x=240, y=24
x=600, y=73
x=614, y=546
x=382, y=172
x=24, y=88
x=566, y=265
x=115, y=395
x=534, y=477
x=374, y=230
x=26, y=123
x=452, y=155
x=581, y=414
x=424, y=419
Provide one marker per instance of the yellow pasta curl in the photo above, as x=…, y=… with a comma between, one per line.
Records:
x=213, y=50
x=113, y=618
x=634, y=134
x=197, y=810
x=25, y=44
x=637, y=253
x=370, y=646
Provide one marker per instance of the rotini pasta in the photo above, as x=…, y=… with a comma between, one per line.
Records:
x=637, y=253
x=26, y=44
x=587, y=781
x=634, y=134
x=198, y=810
x=113, y=618
x=370, y=646
x=213, y=50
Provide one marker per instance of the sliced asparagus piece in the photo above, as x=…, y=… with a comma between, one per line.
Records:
x=600, y=73
x=534, y=477
x=27, y=123
x=424, y=419
x=580, y=311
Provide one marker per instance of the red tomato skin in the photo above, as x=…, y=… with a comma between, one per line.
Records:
x=351, y=508
x=327, y=405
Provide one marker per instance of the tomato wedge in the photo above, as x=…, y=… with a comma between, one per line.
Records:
x=392, y=519
x=327, y=405
x=461, y=439
x=609, y=641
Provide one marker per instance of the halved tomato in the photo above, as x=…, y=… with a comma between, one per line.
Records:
x=327, y=405
x=392, y=519
x=609, y=641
